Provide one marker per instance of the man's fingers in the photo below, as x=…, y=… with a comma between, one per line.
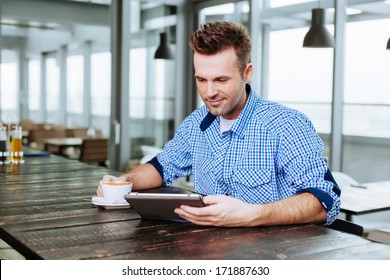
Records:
x=99, y=191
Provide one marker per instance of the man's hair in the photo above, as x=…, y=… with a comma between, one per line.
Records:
x=214, y=37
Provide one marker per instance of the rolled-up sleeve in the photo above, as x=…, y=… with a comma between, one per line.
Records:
x=303, y=166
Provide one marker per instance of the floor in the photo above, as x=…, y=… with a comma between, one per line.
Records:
x=7, y=253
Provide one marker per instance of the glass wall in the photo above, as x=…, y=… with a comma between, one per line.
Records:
x=34, y=89
x=151, y=81
x=9, y=98
x=101, y=91
x=75, y=90
x=280, y=3
x=52, y=90
x=367, y=83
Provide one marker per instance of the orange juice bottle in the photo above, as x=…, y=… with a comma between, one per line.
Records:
x=16, y=146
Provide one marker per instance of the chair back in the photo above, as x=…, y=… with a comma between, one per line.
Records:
x=343, y=179
x=347, y=227
x=77, y=132
x=94, y=150
x=36, y=138
x=83, y=132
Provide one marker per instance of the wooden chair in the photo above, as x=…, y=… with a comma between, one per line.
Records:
x=83, y=132
x=37, y=137
x=94, y=151
x=77, y=132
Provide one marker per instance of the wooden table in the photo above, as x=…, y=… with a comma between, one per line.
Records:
x=60, y=144
x=366, y=198
x=46, y=213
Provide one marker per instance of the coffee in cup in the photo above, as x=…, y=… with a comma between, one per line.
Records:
x=114, y=191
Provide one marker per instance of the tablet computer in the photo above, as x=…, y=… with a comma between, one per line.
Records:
x=162, y=205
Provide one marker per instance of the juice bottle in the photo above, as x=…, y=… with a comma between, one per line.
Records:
x=16, y=145
x=3, y=145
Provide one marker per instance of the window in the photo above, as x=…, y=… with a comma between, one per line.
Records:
x=150, y=103
x=367, y=86
x=34, y=88
x=53, y=92
x=9, y=87
x=101, y=91
x=138, y=86
x=279, y=3
x=75, y=96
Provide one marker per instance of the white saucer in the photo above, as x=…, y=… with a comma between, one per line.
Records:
x=99, y=201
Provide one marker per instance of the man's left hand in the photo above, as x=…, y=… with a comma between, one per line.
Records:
x=220, y=210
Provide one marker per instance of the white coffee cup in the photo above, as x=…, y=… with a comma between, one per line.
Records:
x=114, y=191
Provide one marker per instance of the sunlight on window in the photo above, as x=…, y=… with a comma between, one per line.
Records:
x=367, y=87
x=9, y=91
x=101, y=83
x=160, y=89
x=34, y=89
x=367, y=62
x=75, y=84
x=280, y=3
x=34, y=85
x=53, y=90
x=138, y=80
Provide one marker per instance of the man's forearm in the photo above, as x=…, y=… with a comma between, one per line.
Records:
x=299, y=209
x=143, y=177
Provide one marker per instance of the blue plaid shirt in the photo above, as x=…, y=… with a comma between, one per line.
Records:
x=270, y=153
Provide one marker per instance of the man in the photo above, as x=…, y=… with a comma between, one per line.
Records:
x=257, y=162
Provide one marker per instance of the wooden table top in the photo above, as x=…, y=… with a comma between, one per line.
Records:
x=368, y=198
x=46, y=213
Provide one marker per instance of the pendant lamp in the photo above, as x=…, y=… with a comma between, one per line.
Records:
x=388, y=44
x=163, y=51
x=318, y=36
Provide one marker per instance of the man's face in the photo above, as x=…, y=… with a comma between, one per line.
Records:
x=220, y=84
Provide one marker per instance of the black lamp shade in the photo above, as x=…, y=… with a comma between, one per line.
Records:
x=163, y=51
x=318, y=36
x=388, y=44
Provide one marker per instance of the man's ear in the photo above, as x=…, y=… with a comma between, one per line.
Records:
x=248, y=72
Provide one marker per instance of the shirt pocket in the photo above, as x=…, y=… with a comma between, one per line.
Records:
x=205, y=174
x=254, y=184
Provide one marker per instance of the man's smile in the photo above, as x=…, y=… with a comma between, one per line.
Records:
x=215, y=102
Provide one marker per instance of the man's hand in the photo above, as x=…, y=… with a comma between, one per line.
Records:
x=108, y=178
x=226, y=211
x=220, y=211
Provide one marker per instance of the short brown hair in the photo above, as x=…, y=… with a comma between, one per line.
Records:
x=217, y=36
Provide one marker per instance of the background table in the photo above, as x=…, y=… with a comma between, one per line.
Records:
x=46, y=213
x=369, y=198
x=60, y=144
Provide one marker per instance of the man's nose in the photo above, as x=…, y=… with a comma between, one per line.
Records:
x=211, y=90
